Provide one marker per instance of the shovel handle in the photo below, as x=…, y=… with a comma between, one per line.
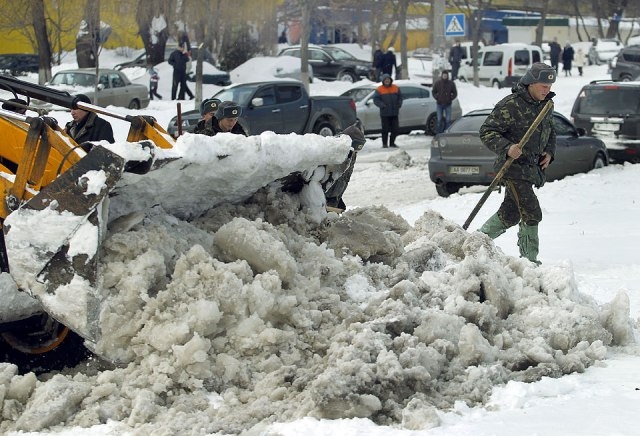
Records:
x=547, y=107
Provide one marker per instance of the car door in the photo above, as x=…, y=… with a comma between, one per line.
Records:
x=323, y=65
x=120, y=93
x=490, y=66
x=268, y=116
x=369, y=114
x=294, y=109
x=570, y=157
x=105, y=95
x=413, y=113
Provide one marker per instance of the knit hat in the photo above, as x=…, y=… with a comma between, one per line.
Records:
x=80, y=98
x=228, y=109
x=386, y=76
x=209, y=106
x=539, y=73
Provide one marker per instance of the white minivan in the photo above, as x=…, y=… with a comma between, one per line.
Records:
x=501, y=65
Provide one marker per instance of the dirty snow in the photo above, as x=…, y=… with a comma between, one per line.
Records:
x=254, y=318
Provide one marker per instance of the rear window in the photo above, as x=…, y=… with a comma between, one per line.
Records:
x=469, y=123
x=521, y=57
x=631, y=56
x=613, y=100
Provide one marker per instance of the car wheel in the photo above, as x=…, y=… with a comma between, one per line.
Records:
x=626, y=78
x=446, y=189
x=599, y=161
x=347, y=76
x=134, y=104
x=431, y=127
x=324, y=129
x=496, y=84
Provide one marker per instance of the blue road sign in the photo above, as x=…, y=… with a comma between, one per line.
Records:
x=454, y=25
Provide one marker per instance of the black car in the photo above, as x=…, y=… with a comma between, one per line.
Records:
x=610, y=111
x=333, y=63
x=18, y=64
x=625, y=66
x=459, y=158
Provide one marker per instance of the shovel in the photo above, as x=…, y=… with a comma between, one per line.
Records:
x=547, y=107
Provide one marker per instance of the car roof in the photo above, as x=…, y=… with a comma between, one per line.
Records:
x=610, y=84
x=88, y=70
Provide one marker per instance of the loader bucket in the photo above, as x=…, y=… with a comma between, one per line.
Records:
x=53, y=239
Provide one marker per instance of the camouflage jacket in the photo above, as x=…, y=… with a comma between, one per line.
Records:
x=211, y=128
x=508, y=123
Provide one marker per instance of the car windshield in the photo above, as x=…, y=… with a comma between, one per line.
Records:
x=339, y=54
x=358, y=94
x=239, y=94
x=74, y=79
x=611, y=100
x=468, y=123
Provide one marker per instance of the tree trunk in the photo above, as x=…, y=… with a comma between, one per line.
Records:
x=44, y=48
x=402, y=28
x=87, y=39
x=540, y=27
x=307, y=6
x=153, y=17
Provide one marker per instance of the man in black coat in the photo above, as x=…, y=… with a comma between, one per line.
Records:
x=554, y=53
x=88, y=127
x=389, y=63
x=178, y=60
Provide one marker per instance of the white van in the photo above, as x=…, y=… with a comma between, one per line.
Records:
x=501, y=65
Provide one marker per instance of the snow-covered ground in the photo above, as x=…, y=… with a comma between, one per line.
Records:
x=396, y=344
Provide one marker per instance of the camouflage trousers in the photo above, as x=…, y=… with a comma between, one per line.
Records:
x=520, y=203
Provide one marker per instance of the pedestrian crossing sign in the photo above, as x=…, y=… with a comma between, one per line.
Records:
x=454, y=25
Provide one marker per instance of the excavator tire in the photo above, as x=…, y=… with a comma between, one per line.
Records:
x=42, y=352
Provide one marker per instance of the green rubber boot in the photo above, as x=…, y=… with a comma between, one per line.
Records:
x=528, y=242
x=493, y=227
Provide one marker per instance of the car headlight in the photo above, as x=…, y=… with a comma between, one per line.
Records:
x=438, y=143
x=362, y=70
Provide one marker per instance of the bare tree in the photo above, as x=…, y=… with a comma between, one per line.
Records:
x=88, y=35
x=475, y=21
x=153, y=17
x=403, y=6
x=44, y=49
x=540, y=26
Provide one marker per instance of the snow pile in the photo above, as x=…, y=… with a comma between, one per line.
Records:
x=256, y=313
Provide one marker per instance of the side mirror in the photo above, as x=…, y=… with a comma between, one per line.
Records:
x=100, y=87
x=257, y=102
x=581, y=131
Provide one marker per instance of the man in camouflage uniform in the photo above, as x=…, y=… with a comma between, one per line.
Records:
x=207, y=110
x=501, y=133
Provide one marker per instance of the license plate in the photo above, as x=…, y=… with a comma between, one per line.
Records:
x=606, y=127
x=464, y=170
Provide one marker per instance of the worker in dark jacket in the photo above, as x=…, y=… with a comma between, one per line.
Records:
x=501, y=132
x=87, y=126
x=225, y=119
x=389, y=99
x=444, y=91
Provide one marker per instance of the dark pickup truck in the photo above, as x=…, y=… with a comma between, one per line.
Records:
x=281, y=106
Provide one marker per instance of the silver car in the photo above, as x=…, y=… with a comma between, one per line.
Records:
x=113, y=89
x=418, y=111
